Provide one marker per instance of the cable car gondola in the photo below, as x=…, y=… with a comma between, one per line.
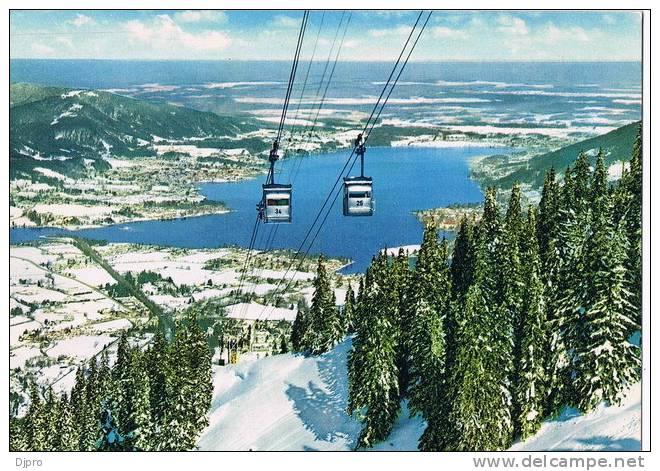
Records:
x=275, y=204
x=358, y=190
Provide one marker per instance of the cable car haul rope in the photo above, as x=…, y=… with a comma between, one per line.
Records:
x=275, y=205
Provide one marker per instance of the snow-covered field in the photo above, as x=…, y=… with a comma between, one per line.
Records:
x=292, y=402
x=256, y=311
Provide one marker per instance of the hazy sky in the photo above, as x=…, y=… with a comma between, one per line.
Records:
x=372, y=35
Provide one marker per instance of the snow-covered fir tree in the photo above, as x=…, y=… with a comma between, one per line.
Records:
x=428, y=300
x=66, y=438
x=373, y=375
x=628, y=210
x=531, y=337
x=462, y=264
x=606, y=362
x=349, y=311
x=198, y=357
x=299, y=328
x=399, y=283
x=325, y=327
x=513, y=287
x=480, y=410
x=564, y=297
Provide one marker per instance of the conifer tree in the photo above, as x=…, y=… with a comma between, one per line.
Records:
x=480, y=410
x=35, y=421
x=124, y=377
x=325, y=327
x=358, y=302
x=547, y=232
x=198, y=356
x=425, y=333
x=66, y=438
x=565, y=296
x=180, y=387
x=462, y=264
x=528, y=400
x=462, y=277
x=373, y=375
x=50, y=409
x=106, y=388
x=547, y=222
x=349, y=310
x=298, y=330
x=629, y=211
x=80, y=411
x=427, y=370
x=138, y=428
x=18, y=439
x=475, y=421
x=158, y=369
x=398, y=286
x=581, y=185
x=634, y=227
x=605, y=362
x=513, y=288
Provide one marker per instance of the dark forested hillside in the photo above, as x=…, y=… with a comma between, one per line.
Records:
x=57, y=128
x=615, y=145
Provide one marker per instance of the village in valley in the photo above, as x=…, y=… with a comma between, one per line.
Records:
x=70, y=300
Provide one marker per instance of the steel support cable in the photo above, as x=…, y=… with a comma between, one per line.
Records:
x=292, y=74
x=346, y=165
x=317, y=95
x=297, y=165
x=273, y=231
x=309, y=67
x=255, y=229
x=332, y=71
x=372, y=126
x=323, y=81
x=325, y=92
x=419, y=35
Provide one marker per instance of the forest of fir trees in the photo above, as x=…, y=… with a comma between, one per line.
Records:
x=533, y=310
x=150, y=399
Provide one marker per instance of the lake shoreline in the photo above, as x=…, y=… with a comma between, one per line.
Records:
x=160, y=217
x=406, y=179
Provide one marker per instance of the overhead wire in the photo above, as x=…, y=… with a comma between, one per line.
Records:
x=292, y=74
x=351, y=157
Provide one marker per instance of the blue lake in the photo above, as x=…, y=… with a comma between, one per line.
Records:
x=405, y=180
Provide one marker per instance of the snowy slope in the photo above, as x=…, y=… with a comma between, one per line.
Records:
x=282, y=402
x=606, y=428
x=289, y=402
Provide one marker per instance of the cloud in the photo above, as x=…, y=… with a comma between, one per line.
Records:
x=286, y=21
x=163, y=31
x=42, y=49
x=445, y=32
x=64, y=40
x=512, y=25
x=396, y=31
x=554, y=34
x=195, y=16
x=81, y=20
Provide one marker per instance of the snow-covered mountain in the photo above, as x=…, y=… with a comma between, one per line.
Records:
x=292, y=402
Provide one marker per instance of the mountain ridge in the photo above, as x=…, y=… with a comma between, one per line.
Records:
x=67, y=130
